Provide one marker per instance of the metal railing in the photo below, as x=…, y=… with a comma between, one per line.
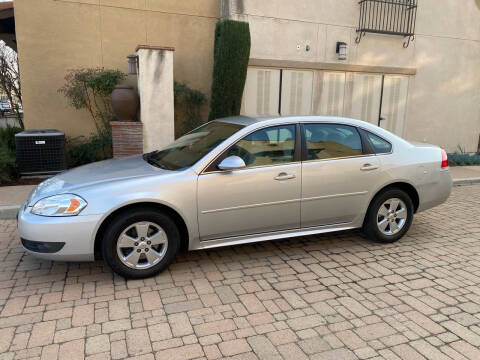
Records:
x=391, y=17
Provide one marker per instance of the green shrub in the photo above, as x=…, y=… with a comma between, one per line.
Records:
x=188, y=104
x=82, y=150
x=7, y=136
x=231, y=55
x=8, y=170
x=90, y=89
x=8, y=161
x=463, y=159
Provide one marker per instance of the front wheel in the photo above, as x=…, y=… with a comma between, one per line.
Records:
x=389, y=217
x=140, y=243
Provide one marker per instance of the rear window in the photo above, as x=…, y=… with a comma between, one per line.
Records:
x=380, y=146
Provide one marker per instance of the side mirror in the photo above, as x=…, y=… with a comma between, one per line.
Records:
x=232, y=163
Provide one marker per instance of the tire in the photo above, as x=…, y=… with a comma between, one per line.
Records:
x=155, y=240
x=396, y=224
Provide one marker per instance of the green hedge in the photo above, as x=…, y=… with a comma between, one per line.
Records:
x=85, y=150
x=188, y=104
x=231, y=55
x=463, y=159
x=8, y=158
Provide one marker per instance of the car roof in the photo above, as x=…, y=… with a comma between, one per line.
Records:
x=253, y=122
x=247, y=120
x=242, y=120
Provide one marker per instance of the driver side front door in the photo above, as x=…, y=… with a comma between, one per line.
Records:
x=263, y=197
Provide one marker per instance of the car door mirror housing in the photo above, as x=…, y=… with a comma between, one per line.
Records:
x=232, y=163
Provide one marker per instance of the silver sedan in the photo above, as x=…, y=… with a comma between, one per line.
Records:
x=235, y=181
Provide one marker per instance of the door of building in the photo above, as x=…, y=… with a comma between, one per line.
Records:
x=261, y=94
x=394, y=103
x=296, y=92
x=380, y=99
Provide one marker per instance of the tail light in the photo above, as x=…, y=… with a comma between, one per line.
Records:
x=444, y=159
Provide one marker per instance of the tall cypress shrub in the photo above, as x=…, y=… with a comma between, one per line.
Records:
x=231, y=55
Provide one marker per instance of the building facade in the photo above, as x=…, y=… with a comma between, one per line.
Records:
x=428, y=91
x=57, y=35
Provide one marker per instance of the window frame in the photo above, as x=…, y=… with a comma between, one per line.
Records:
x=367, y=148
x=365, y=132
x=212, y=167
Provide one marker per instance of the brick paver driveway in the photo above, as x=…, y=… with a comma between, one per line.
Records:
x=329, y=297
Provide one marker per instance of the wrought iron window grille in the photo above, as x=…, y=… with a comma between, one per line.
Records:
x=390, y=17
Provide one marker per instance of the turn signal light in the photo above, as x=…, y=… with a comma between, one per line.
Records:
x=74, y=205
x=444, y=159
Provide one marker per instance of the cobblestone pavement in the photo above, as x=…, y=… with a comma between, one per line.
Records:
x=335, y=297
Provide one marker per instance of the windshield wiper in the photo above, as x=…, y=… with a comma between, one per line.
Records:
x=149, y=158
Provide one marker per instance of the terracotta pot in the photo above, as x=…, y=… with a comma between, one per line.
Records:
x=125, y=103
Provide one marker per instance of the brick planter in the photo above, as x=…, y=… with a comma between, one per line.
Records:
x=127, y=138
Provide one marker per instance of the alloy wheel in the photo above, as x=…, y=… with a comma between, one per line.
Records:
x=142, y=245
x=392, y=216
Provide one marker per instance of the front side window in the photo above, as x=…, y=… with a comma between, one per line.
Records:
x=331, y=141
x=379, y=145
x=265, y=147
x=190, y=148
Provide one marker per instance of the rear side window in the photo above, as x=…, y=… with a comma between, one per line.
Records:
x=380, y=146
x=331, y=141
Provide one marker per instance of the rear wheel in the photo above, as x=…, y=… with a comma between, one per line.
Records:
x=389, y=217
x=140, y=243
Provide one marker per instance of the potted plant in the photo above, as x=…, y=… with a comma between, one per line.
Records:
x=90, y=89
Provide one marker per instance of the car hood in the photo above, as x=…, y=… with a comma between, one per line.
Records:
x=94, y=174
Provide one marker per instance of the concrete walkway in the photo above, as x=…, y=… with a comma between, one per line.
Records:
x=465, y=174
x=11, y=197
x=14, y=195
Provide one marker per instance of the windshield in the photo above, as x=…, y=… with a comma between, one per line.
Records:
x=190, y=148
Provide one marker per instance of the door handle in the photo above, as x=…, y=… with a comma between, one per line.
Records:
x=369, y=167
x=284, y=176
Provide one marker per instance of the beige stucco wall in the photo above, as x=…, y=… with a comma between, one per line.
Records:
x=56, y=35
x=443, y=103
x=444, y=95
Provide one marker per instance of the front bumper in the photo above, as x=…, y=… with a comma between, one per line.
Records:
x=42, y=247
x=76, y=233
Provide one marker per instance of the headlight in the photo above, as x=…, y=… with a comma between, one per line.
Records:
x=59, y=205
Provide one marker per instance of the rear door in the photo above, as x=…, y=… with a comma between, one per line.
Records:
x=338, y=174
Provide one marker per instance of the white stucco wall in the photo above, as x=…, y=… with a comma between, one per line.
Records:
x=155, y=86
x=444, y=95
